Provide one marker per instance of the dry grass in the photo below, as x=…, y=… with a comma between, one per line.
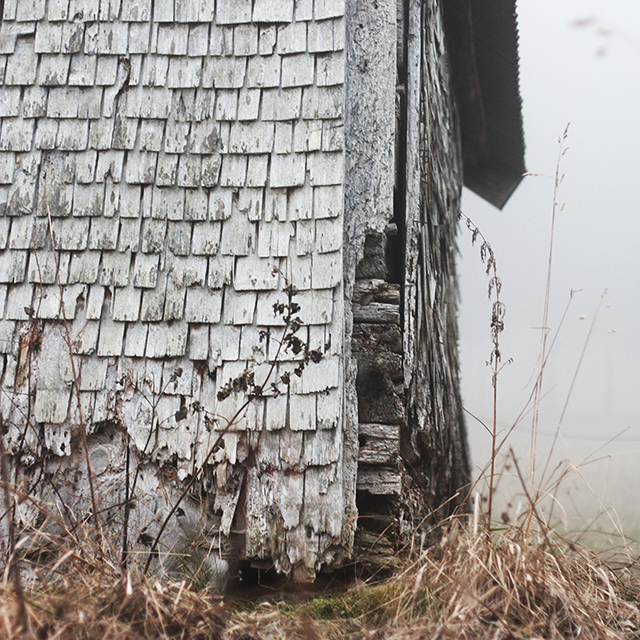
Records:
x=522, y=582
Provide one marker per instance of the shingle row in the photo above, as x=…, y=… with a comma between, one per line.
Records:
x=111, y=268
x=75, y=38
x=180, y=11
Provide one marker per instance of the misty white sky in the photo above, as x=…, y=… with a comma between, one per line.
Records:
x=590, y=77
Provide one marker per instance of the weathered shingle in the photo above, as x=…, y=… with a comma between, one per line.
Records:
x=126, y=304
x=139, y=37
x=19, y=299
x=136, y=10
x=239, y=307
x=106, y=69
x=198, y=44
x=167, y=340
x=245, y=40
x=89, y=102
x=273, y=11
x=167, y=170
x=85, y=341
x=303, y=10
x=327, y=202
x=203, y=305
x=112, y=39
x=114, y=271
x=189, y=170
x=220, y=270
x=255, y=137
x=84, y=267
x=4, y=231
x=100, y=136
x=72, y=135
x=153, y=303
x=71, y=234
x=323, y=9
x=299, y=272
x=305, y=237
x=326, y=270
x=273, y=239
x=87, y=199
x=30, y=10
x=17, y=134
x=328, y=235
x=330, y=69
x=150, y=135
x=281, y=104
x=82, y=70
x=233, y=171
x=254, y=273
x=224, y=73
x=292, y=38
x=283, y=138
x=145, y=270
x=302, y=412
x=12, y=30
x=111, y=337
x=93, y=373
x=103, y=234
x=196, y=200
x=206, y=238
x=264, y=71
x=34, y=102
x=233, y=11
x=48, y=38
x=12, y=266
x=58, y=10
x=173, y=40
x=257, y=170
x=72, y=37
x=267, y=40
x=198, y=341
x=7, y=167
x=163, y=11
x=288, y=170
x=51, y=407
x=298, y=70
x=325, y=169
x=301, y=203
x=332, y=135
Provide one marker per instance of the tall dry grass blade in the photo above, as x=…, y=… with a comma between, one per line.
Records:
x=545, y=314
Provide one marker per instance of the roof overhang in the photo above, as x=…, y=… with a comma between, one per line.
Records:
x=483, y=50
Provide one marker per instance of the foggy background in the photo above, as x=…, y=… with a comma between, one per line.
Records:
x=588, y=76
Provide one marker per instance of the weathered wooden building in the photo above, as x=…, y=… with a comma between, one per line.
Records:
x=166, y=168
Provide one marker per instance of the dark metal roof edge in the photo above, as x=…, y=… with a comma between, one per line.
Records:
x=483, y=49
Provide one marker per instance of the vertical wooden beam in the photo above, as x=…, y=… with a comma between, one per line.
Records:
x=412, y=181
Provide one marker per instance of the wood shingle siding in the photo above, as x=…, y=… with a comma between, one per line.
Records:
x=158, y=161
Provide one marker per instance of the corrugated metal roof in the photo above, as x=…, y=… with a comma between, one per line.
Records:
x=483, y=45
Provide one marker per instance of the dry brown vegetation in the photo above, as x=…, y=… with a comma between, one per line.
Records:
x=522, y=582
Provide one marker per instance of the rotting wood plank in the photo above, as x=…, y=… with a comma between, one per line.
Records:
x=379, y=444
x=377, y=313
x=377, y=290
x=380, y=481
